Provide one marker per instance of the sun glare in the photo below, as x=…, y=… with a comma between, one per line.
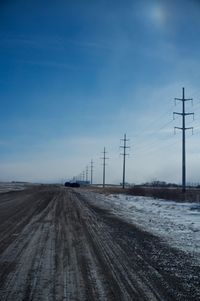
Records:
x=158, y=15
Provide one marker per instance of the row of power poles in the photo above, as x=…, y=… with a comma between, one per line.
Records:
x=84, y=176
x=124, y=154
x=124, y=147
x=183, y=128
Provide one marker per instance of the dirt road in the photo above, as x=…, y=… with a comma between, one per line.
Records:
x=56, y=245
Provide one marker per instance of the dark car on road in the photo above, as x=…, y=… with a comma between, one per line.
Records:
x=75, y=184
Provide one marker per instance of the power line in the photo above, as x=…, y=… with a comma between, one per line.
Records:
x=183, y=129
x=154, y=122
x=155, y=147
x=146, y=145
x=151, y=133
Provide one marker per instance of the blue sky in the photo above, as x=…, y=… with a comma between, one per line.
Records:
x=76, y=75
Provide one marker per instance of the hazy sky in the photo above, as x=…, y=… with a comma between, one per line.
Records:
x=76, y=75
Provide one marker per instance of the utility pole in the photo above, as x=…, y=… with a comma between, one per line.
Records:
x=183, y=128
x=91, y=171
x=104, y=166
x=86, y=173
x=124, y=154
x=83, y=175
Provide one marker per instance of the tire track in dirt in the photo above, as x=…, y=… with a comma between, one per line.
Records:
x=26, y=254
x=68, y=249
x=82, y=280
x=126, y=284
x=51, y=257
x=156, y=270
x=16, y=209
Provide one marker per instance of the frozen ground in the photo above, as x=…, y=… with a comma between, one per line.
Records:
x=12, y=186
x=68, y=244
x=176, y=223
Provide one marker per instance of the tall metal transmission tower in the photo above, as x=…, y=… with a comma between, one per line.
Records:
x=183, y=128
x=104, y=165
x=124, y=154
x=91, y=171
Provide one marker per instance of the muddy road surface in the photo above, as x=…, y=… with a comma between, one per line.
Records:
x=57, y=245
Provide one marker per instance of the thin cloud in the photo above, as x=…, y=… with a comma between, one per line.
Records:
x=51, y=43
x=51, y=63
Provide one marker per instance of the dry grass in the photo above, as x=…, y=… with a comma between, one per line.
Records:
x=191, y=195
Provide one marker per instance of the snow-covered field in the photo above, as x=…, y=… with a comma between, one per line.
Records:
x=176, y=223
x=9, y=186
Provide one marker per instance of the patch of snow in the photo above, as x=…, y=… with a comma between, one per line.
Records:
x=175, y=222
x=12, y=186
